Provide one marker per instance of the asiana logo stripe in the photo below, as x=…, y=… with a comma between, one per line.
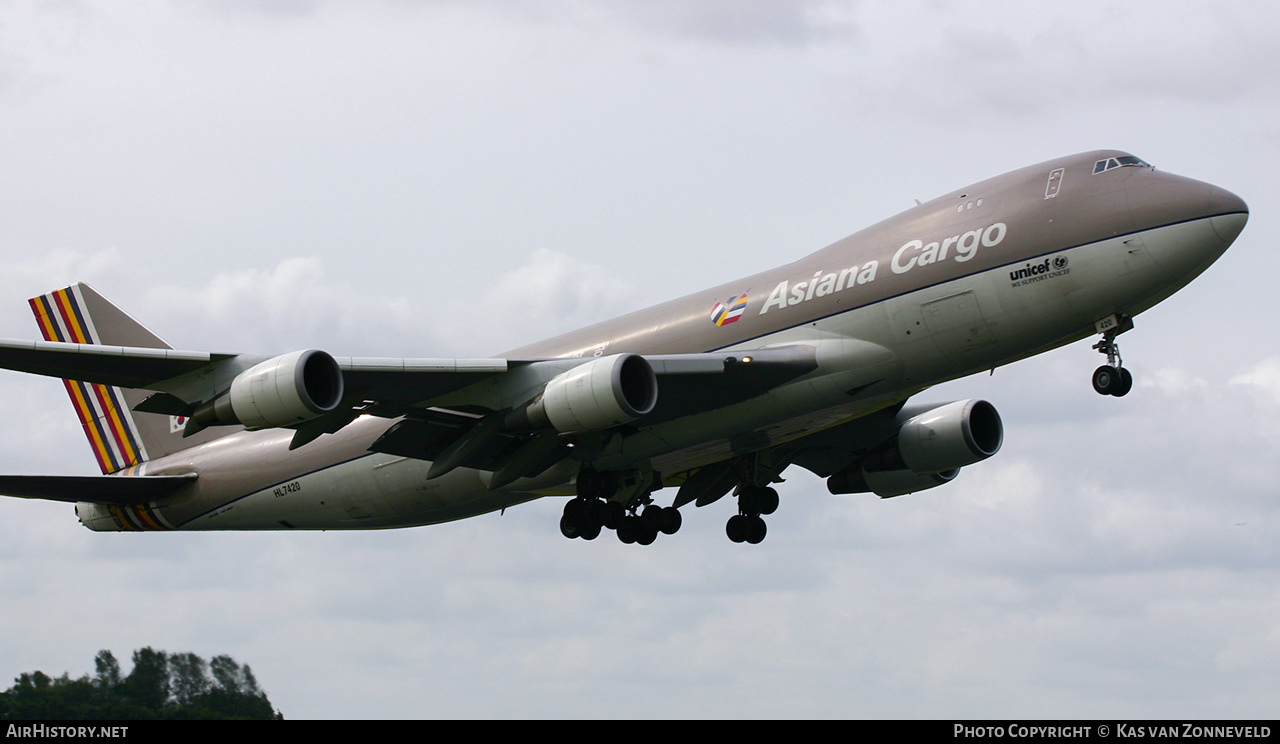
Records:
x=107, y=425
x=730, y=310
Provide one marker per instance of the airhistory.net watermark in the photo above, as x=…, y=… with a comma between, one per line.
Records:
x=45, y=731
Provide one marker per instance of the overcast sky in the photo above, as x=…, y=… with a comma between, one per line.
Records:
x=440, y=178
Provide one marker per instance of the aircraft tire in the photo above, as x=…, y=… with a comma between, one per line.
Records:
x=568, y=528
x=768, y=500
x=671, y=520
x=612, y=514
x=575, y=511
x=594, y=512
x=1105, y=379
x=627, y=531
x=652, y=518
x=1124, y=385
x=749, y=500
x=736, y=529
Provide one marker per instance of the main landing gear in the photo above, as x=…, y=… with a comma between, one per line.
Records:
x=753, y=501
x=600, y=505
x=1112, y=378
x=755, y=471
x=623, y=502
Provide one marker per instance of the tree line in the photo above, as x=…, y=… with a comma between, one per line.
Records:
x=161, y=686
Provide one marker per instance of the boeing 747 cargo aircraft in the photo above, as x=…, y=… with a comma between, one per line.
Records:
x=812, y=364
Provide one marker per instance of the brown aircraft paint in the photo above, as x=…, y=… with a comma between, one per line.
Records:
x=1087, y=209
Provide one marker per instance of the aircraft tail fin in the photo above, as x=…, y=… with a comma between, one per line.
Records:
x=118, y=436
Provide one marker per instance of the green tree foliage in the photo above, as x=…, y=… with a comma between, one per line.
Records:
x=106, y=670
x=160, y=686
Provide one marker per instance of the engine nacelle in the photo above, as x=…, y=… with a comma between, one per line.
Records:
x=928, y=451
x=283, y=391
x=886, y=483
x=286, y=390
x=604, y=392
x=951, y=436
x=943, y=438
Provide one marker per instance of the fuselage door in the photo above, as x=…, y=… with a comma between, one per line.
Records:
x=1055, y=183
x=956, y=323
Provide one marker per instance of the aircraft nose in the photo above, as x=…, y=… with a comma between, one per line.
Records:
x=1230, y=213
x=1157, y=198
x=1190, y=223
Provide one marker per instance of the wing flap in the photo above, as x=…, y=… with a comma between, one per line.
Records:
x=694, y=383
x=411, y=381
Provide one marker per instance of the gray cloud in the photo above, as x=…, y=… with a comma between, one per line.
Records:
x=955, y=62
x=751, y=22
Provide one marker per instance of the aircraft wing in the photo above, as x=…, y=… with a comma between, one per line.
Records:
x=407, y=381
x=192, y=384
x=150, y=369
x=451, y=436
x=184, y=379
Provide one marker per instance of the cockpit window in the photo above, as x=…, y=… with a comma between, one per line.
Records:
x=1107, y=164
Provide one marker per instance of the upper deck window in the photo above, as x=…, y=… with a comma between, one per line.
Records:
x=1107, y=164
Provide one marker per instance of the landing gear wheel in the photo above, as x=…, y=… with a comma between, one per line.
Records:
x=629, y=530
x=671, y=520
x=646, y=536
x=1125, y=384
x=612, y=514
x=652, y=518
x=768, y=501
x=737, y=528
x=756, y=530
x=757, y=500
x=568, y=528
x=1106, y=379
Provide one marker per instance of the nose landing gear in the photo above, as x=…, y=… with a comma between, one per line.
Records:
x=1112, y=378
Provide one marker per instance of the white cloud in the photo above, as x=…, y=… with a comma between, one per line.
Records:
x=551, y=293
x=1264, y=378
x=294, y=304
x=297, y=303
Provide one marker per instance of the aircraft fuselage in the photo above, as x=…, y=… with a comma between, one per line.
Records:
x=980, y=277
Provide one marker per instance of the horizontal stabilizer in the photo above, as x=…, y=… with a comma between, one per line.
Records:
x=120, y=490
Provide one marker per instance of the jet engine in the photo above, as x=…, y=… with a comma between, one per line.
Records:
x=928, y=450
x=886, y=483
x=604, y=392
x=950, y=436
x=282, y=391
